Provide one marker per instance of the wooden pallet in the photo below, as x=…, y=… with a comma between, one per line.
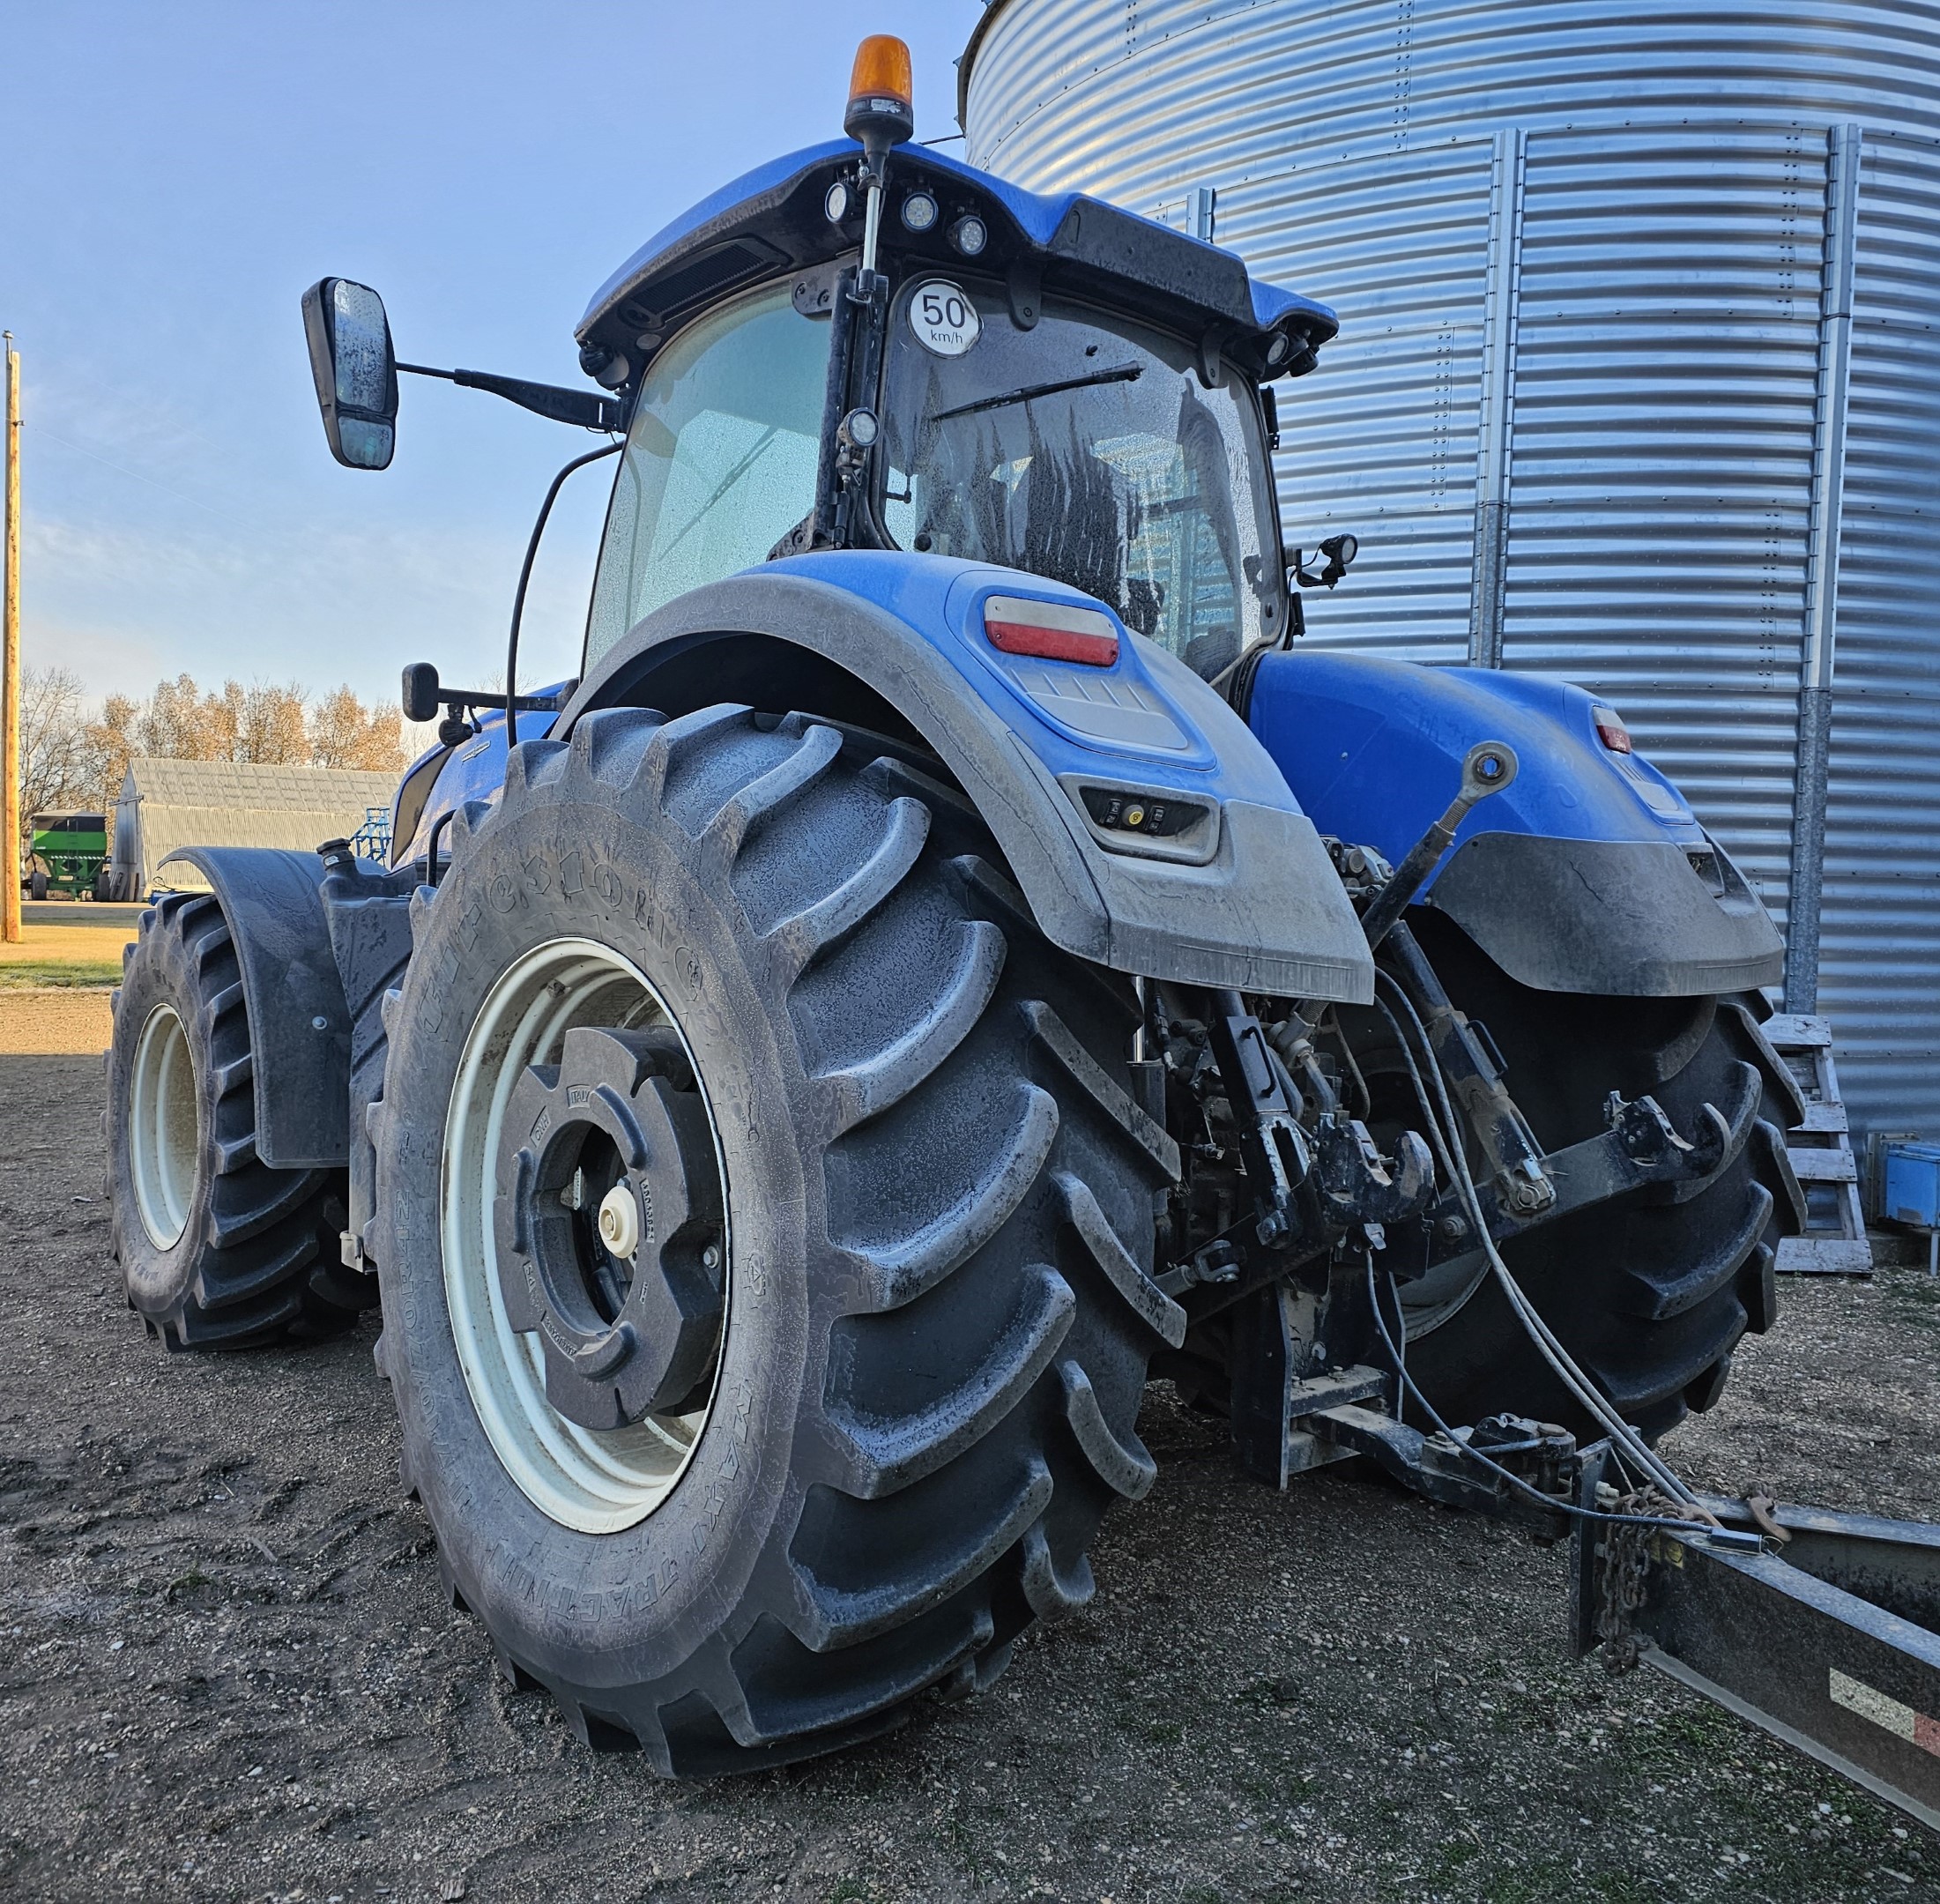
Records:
x=1821, y=1151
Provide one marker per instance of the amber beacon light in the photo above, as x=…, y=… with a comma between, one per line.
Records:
x=881, y=93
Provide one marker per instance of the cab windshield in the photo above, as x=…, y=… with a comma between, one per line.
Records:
x=1085, y=450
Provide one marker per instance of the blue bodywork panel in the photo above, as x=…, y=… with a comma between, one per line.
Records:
x=1373, y=750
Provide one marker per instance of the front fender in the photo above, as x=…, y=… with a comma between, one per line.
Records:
x=1261, y=908
x=299, y=1024
x=1590, y=873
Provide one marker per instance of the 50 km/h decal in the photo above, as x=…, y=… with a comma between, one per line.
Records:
x=944, y=318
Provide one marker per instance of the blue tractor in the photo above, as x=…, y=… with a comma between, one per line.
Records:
x=950, y=959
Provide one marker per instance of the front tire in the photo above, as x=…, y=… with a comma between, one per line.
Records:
x=217, y=1250
x=938, y=1215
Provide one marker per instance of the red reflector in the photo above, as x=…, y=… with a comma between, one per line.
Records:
x=1051, y=631
x=1610, y=729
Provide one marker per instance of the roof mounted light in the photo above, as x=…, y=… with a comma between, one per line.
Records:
x=969, y=235
x=837, y=201
x=882, y=94
x=1052, y=631
x=920, y=211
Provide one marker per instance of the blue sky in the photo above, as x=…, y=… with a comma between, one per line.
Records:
x=177, y=174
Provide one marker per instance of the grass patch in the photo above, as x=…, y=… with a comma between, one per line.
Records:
x=65, y=958
x=67, y=975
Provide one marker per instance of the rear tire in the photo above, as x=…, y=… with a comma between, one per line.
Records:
x=1649, y=1292
x=217, y=1250
x=939, y=1218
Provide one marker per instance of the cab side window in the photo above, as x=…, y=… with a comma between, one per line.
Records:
x=720, y=458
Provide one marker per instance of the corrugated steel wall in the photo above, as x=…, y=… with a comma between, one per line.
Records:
x=1879, y=944
x=1666, y=359
x=1590, y=409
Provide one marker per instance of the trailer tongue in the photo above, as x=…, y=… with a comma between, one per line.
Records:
x=1820, y=1625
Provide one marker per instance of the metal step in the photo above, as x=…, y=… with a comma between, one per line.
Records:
x=1821, y=1152
x=1824, y=1166
x=1825, y=1255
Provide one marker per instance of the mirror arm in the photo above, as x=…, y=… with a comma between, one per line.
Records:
x=550, y=400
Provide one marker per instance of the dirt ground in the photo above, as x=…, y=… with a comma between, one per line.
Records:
x=227, y=1670
x=69, y=1021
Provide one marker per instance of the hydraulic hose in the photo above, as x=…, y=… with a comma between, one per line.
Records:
x=1625, y=1440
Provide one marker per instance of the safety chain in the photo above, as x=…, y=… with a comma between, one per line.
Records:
x=1626, y=1559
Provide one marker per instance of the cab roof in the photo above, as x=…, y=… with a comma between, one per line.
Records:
x=772, y=220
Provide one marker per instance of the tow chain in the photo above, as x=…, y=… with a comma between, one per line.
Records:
x=1625, y=1561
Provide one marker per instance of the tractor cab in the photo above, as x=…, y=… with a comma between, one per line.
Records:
x=1044, y=383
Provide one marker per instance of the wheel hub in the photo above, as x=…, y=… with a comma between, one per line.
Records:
x=165, y=1128
x=609, y=1225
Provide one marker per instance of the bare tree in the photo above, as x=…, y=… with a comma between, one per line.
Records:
x=111, y=744
x=268, y=724
x=343, y=732
x=179, y=722
x=56, y=771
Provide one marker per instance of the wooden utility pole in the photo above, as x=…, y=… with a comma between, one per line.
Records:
x=9, y=679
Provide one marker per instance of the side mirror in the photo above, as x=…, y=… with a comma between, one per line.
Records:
x=420, y=691
x=356, y=371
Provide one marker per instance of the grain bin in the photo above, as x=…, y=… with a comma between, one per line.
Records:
x=1638, y=384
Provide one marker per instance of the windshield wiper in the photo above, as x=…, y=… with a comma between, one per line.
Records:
x=1118, y=374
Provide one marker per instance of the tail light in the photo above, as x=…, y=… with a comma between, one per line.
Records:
x=1050, y=630
x=1610, y=729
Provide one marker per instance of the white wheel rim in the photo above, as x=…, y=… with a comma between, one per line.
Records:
x=596, y=1481
x=165, y=1126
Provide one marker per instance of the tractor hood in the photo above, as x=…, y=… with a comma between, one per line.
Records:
x=772, y=220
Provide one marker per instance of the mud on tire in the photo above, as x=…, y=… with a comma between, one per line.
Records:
x=217, y=1250
x=939, y=1309
x=1649, y=1292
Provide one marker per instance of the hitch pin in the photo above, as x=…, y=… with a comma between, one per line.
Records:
x=1487, y=767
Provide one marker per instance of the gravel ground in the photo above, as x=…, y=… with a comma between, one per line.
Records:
x=226, y=1672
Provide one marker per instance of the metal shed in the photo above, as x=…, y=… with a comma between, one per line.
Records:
x=167, y=805
x=1638, y=383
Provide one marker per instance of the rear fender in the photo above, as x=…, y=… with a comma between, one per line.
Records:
x=895, y=644
x=298, y=1024
x=1590, y=873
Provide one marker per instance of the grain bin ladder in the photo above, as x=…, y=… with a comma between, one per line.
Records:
x=1834, y=1243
